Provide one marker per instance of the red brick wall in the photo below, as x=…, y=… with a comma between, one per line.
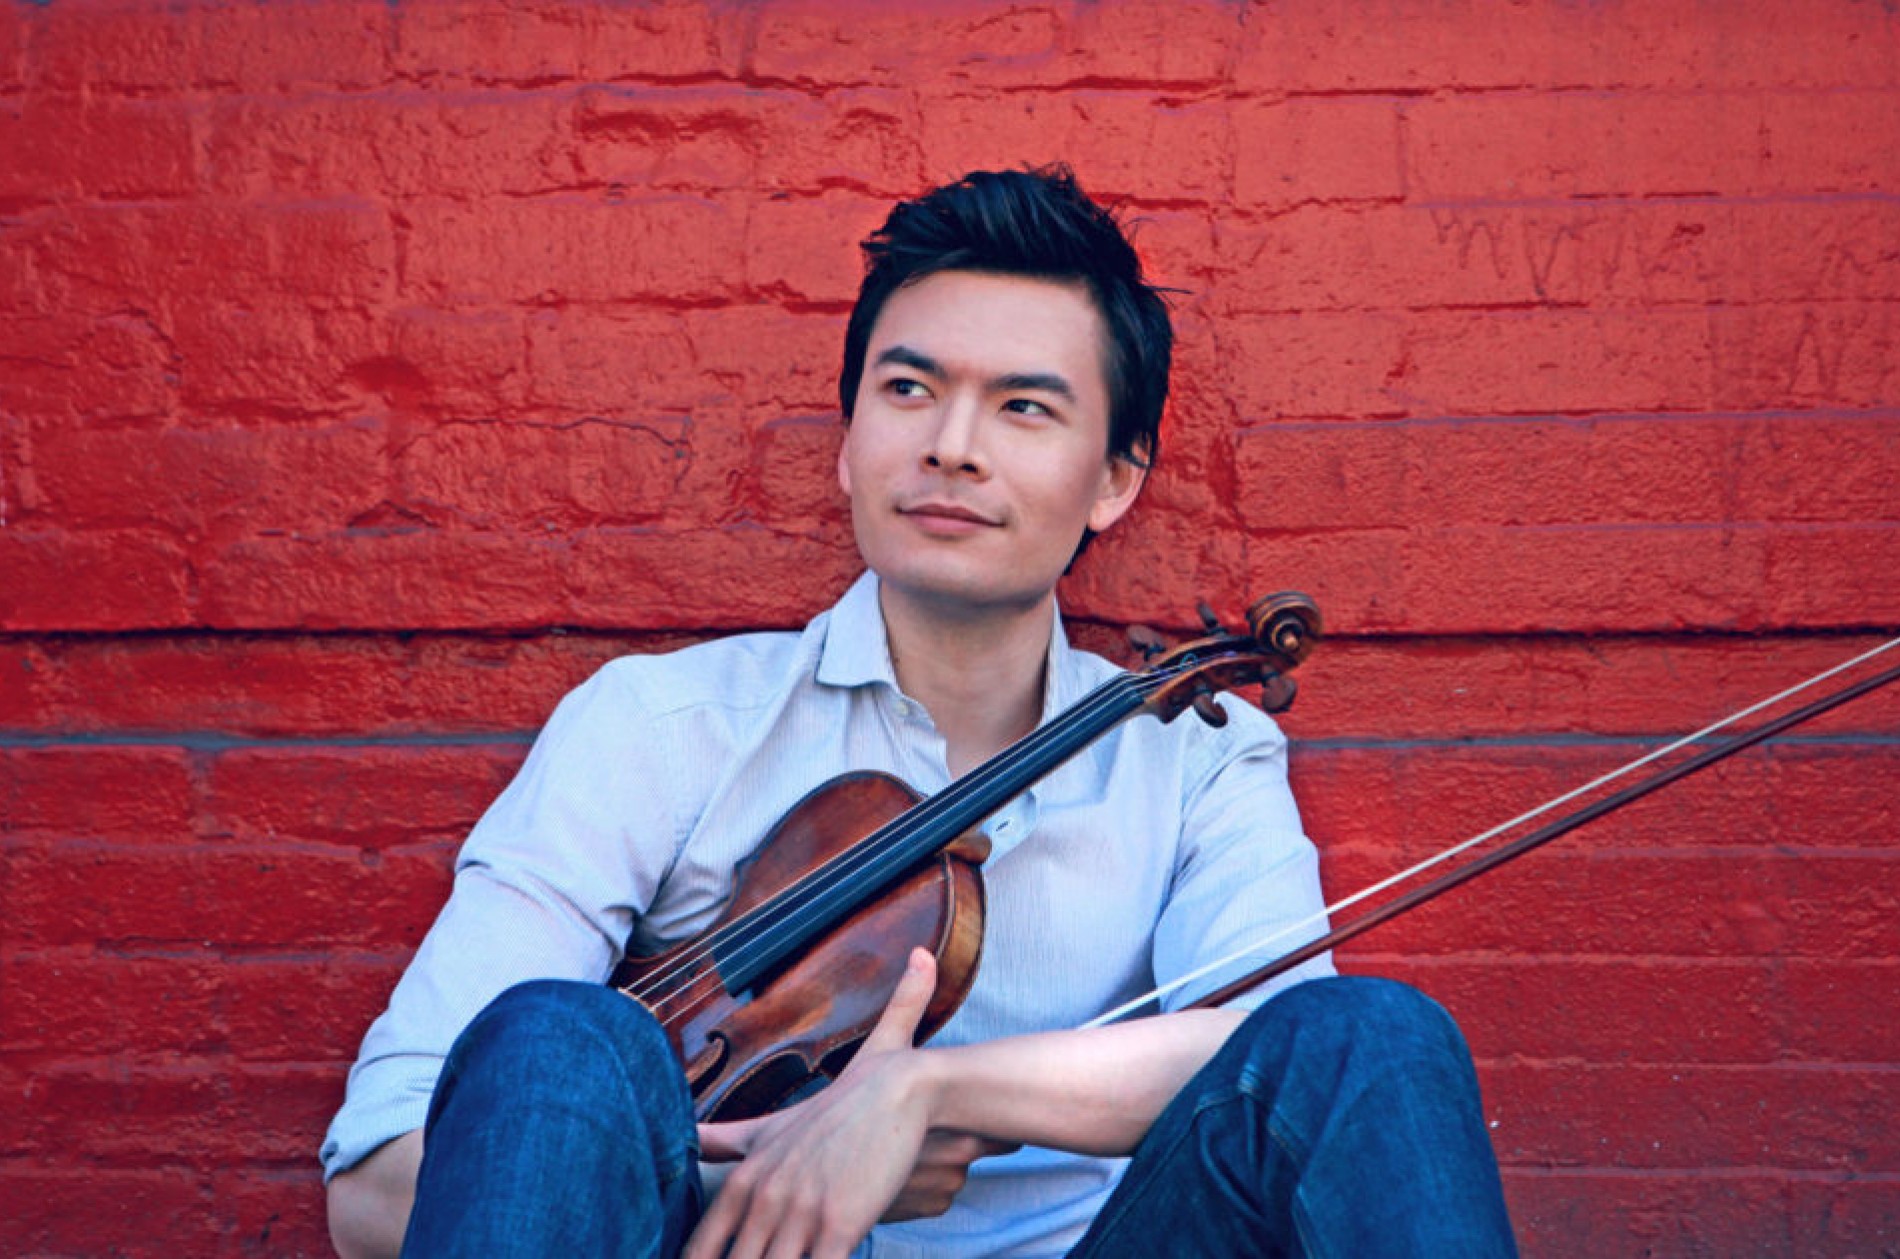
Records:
x=370, y=372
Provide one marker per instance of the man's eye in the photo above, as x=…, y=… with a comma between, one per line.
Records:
x=903, y=388
x=1026, y=406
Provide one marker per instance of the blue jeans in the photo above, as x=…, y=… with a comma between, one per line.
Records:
x=1340, y=1122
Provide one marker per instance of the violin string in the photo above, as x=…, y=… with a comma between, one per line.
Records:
x=755, y=931
x=1320, y=917
x=753, y=934
x=844, y=866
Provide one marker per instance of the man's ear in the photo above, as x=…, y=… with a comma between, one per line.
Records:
x=1121, y=483
x=844, y=462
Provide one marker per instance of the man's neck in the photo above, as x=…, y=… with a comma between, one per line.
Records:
x=978, y=672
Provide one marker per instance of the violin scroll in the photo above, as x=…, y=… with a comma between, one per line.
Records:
x=1287, y=622
x=1281, y=631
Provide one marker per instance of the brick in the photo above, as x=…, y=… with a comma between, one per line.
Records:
x=542, y=477
x=88, y=256
x=1510, y=579
x=1712, y=1117
x=547, y=42
x=386, y=578
x=1540, y=361
x=335, y=250
x=271, y=1210
x=121, y=579
x=1152, y=43
x=1328, y=257
x=805, y=250
x=141, y=1113
x=1328, y=149
x=249, y=48
x=1595, y=1010
x=618, y=578
x=695, y=139
x=341, y=684
x=1675, y=144
x=225, y=895
x=1827, y=1007
x=116, y=366
x=1616, y=469
x=581, y=361
x=795, y=470
x=1594, y=1210
x=1840, y=354
x=61, y=147
x=275, y=356
x=730, y=578
x=468, y=144
x=1394, y=806
x=1121, y=144
x=1841, y=574
x=1126, y=575
x=558, y=249
x=1603, y=1010
x=86, y=1209
x=1420, y=45
x=827, y=43
x=774, y=360
x=66, y=1004
x=1182, y=45
x=1311, y=364
x=431, y=363
x=365, y=796
x=13, y=36
x=1811, y=903
x=56, y=792
x=208, y=481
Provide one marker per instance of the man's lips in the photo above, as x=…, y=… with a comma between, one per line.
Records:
x=946, y=515
x=948, y=511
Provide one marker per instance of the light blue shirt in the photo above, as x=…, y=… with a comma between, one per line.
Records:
x=1157, y=849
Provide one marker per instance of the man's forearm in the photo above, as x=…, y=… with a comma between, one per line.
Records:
x=370, y=1203
x=1090, y=1092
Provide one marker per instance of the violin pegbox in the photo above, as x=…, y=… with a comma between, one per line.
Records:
x=1281, y=631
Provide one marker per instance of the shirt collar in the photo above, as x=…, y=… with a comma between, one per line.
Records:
x=857, y=652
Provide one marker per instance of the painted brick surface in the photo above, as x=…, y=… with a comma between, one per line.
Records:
x=371, y=373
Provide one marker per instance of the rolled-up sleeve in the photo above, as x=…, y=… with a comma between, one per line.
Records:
x=546, y=886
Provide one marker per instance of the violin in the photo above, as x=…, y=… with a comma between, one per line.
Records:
x=773, y=999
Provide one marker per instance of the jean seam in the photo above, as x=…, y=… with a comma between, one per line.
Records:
x=1122, y=1209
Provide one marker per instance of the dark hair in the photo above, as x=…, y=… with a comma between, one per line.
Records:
x=1035, y=223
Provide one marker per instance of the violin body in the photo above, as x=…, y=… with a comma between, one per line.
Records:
x=748, y=1052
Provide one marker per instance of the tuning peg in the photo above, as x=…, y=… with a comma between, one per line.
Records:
x=1145, y=641
x=1276, y=693
x=1209, y=621
x=1208, y=710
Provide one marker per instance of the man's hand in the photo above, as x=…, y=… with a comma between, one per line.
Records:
x=815, y=1177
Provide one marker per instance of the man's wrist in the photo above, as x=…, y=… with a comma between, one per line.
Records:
x=926, y=1083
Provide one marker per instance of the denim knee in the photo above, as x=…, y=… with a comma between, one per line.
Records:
x=591, y=1035
x=1335, y=1016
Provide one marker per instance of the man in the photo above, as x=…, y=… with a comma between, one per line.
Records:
x=1003, y=380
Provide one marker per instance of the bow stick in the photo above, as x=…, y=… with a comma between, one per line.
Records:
x=1517, y=847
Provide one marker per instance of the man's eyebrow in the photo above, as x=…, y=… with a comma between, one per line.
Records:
x=916, y=360
x=1034, y=382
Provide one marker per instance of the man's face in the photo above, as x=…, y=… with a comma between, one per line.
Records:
x=978, y=450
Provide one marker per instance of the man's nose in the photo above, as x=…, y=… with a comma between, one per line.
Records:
x=955, y=442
